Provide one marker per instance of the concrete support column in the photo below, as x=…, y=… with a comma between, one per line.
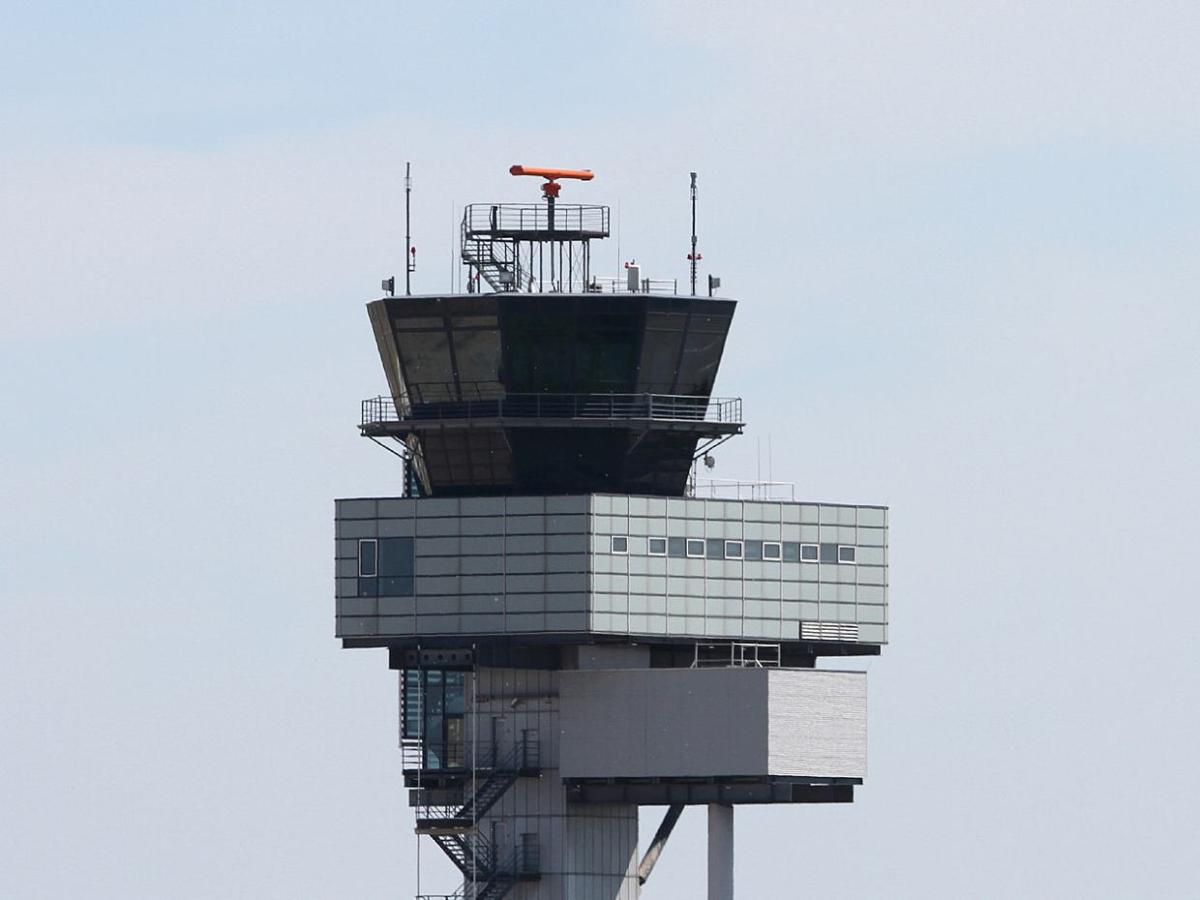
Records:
x=720, y=851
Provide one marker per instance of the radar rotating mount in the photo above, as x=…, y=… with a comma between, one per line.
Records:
x=551, y=188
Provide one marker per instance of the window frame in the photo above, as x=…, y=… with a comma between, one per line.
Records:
x=741, y=552
x=688, y=548
x=853, y=561
x=816, y=549
x=778, y=545
x=650, y=551
x=374, y=542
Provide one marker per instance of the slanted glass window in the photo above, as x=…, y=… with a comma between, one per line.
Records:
x=772, y=550
x=829, y=553
x=658, y=546
x=791, y=551
x=620, y=544
x=733, y=549
x=809, y=552
x=695, y=548
x=677, y=547
x=714, y=548
x=754, y=551
x=368, y=558
x=846, y=554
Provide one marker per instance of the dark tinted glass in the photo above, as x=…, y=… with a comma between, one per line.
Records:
x=396, y=587
x=368, y=587
x=733, y=549
x=829, y=553
x=620, y=545
x=658, y=546
x=770, y=551
x=845, y=554
x=808, y=553
x=791, y=551
x=676, y=547
x=396, y=556
x=714, y=548
x=367, y=558
x=754, y=550
x=695, y=548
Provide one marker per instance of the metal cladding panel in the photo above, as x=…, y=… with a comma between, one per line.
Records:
x=647, y=723
x=817, y=723
x=614, y=565
x=674, y=723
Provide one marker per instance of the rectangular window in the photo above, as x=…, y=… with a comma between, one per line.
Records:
x=754, y=550
x=845, y=554
x=620, y=544
x=695, y=548
x=829, y=553
x=368, y=558
x=714, y=548
x=396, y=557
x=658, y=546
x=771, y=550
x=791, y=551
x=809, y=553
x=733, y=549
x=677, y=548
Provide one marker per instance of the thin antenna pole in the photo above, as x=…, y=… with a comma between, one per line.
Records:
x=693, y=257
x=408, y=260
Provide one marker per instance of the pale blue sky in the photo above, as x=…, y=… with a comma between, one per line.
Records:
x=966, y=238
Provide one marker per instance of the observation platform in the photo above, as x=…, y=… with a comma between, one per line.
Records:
x=534, y=222
x=697, y=415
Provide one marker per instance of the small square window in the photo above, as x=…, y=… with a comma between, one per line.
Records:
x=676, y=547
x=658, y=546
x=754, y=551
x=620, y=544
x=771, y=550
x=845, y=554
x=733, y=549
x=829, y=553
x=809, y=553
x=791, y=551
x=714, y=548
x=695, y=548
x=368, y=558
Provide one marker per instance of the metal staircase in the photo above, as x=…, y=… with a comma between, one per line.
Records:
x=496, y=261
x=455, y=829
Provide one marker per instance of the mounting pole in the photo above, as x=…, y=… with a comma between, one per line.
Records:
x=694, y=257
x=410, y=261
x=720, y=851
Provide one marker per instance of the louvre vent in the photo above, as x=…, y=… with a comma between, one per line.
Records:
x=828, y=631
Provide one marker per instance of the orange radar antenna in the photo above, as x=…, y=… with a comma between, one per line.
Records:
x=552, y=187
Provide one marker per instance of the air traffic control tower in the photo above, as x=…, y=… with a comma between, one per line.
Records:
x=579, y=629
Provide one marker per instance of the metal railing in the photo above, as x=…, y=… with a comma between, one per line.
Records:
x=508, y=218
x=732, y=489
x=607, y=284
x=650, y=407
x=736, y=654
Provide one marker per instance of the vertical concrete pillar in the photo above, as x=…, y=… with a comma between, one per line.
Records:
x=720, y=851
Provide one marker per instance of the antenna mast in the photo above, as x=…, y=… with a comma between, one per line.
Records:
x=410, y=254
x=693, y=257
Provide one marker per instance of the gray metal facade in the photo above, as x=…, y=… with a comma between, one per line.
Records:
x=584, y=565
x=713, y=723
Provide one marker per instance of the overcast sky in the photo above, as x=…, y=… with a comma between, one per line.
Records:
x=966, y=238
